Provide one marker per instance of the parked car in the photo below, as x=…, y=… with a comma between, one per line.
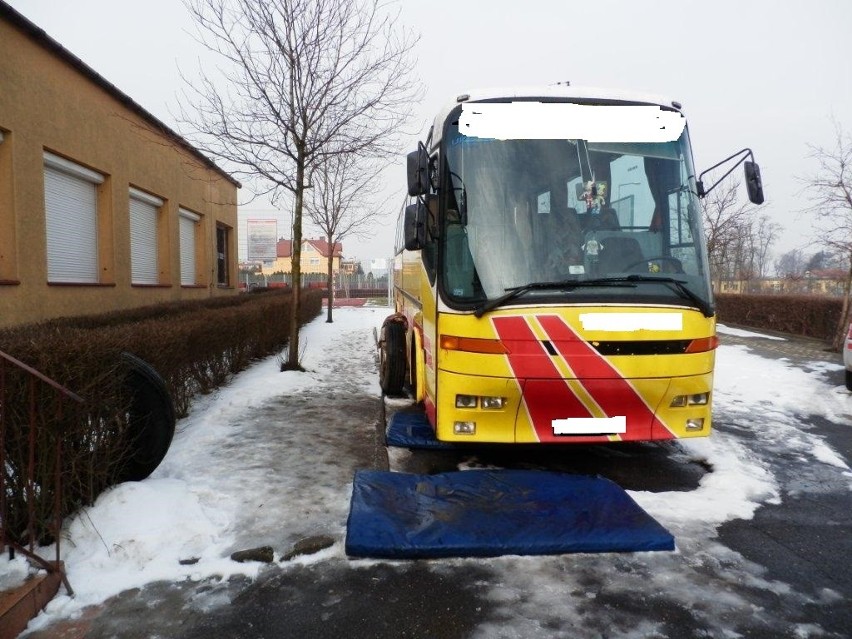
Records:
x=847, y=357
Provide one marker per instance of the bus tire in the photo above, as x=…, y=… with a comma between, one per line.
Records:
x=392, y=360
x=150, y=419
x=849, y=380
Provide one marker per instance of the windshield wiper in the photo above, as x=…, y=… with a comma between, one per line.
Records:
x=680, y=287
x=567, y=285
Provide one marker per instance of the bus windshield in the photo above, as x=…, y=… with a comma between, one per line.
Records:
x=528, y=213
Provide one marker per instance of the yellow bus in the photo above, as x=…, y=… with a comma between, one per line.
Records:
x=551, y=281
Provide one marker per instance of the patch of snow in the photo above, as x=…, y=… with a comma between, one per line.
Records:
x=14, y=572
x=213, y=490
x=738, y=332
x=824, y=453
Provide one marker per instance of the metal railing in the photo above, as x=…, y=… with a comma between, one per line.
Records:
x=34, y=411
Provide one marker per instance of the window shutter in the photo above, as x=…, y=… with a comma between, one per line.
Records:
x=188, y=222
x=71, y=216
x=144, y=211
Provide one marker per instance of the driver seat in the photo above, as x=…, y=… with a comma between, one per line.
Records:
x=617, y=253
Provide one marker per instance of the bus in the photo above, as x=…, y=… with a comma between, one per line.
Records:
x=551, y=281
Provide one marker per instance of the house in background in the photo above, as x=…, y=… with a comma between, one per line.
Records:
x=313, y=259
x=351, y=267
x=828, y=282
x=102, y=206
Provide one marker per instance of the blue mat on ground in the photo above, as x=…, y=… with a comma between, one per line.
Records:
x=413, y=430
x=487, y=513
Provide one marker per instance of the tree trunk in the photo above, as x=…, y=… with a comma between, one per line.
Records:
x=296, y=267
x=330, y=278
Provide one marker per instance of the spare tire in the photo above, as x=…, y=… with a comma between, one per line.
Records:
x=150, y=419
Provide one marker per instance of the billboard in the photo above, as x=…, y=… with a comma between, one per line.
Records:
x=262, y=239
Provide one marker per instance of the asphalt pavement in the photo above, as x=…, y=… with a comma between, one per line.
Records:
x=796, y=348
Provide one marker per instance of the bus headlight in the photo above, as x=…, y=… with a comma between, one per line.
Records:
x=693, y=425
x=485, y=402
x=493, y=403
x=698, y=399
x=464, y=428
x=466, y=401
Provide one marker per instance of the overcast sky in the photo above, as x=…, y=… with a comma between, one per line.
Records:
x=768, y=74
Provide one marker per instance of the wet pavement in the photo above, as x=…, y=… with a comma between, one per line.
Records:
x=783, y=573
x=797, y=348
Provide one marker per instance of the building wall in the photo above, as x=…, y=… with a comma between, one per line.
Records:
x=47, y=104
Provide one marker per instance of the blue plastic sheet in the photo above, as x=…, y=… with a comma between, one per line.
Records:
x=487, y=513
x=413, y=430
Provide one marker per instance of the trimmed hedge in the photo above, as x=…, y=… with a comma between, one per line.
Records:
x=808, y=315
x=194, y=346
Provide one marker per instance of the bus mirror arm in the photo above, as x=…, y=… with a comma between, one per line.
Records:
x=754, y=184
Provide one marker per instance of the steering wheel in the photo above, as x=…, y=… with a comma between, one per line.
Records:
x=678, y=266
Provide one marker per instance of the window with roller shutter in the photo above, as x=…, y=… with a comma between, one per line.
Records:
x=144, y=232
x=71, y=221
x=188, y=231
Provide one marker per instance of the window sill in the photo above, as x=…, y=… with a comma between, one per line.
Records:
x=193, y=286
x=79, y=284
x=10, y=282
x=151, y=285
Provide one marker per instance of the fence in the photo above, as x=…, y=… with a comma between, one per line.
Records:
x=35, y=472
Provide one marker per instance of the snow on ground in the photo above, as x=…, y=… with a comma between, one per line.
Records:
x=738, y=332
x=712, y=582
x=193, y=509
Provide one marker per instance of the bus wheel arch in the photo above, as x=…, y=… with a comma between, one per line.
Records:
x=417, y=372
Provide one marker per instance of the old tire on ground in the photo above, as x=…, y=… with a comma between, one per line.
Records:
x=150, y=417
x=392, y=364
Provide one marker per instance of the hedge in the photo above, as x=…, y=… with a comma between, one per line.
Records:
x=807, y=315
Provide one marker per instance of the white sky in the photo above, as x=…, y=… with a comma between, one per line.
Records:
x=767, y=74
x=195, y=509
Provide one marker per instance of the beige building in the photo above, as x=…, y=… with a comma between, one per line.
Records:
x=312, y=259
x=829, y=283
x=102, y=206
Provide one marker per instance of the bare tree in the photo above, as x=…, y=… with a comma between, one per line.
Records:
x=831, y=203
x=820, y=261
x=763, y=233
x=725, y=222
x=300, y=80
x=791, y=265
x=341, y=204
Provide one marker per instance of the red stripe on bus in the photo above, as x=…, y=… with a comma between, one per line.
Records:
x=536, y=363
x=607, y=386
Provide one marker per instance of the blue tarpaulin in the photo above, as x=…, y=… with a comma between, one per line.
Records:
x=412, y=430
x=487, y=513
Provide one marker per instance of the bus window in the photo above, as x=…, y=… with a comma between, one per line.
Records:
x=631, y=195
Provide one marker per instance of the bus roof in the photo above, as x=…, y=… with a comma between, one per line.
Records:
x=549, y=92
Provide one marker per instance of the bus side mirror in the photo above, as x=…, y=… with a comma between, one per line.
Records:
x=753, y=182
x=418, y=171
x=415, y=226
